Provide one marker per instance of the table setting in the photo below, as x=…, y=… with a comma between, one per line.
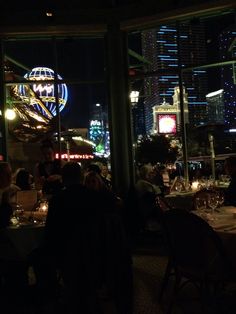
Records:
x=24, y=233
x=222, y=219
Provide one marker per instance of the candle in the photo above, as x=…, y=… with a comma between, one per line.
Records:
x=43, y=207
x=195, y=185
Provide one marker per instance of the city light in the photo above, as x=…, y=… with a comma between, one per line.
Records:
x=10, y=114
x=134, y=95
x=167, y=123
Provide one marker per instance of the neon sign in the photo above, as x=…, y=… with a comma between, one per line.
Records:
x=75, y=156
x=43, y=88
x=95, y=122
x=166, y=123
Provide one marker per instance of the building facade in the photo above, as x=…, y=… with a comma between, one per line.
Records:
x=215, y=107
x=160, y=46
x=227, y=45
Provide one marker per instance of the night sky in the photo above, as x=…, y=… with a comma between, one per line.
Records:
x=83, y=60
x=79, y=61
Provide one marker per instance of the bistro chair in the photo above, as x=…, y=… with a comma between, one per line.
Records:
x=196, y=255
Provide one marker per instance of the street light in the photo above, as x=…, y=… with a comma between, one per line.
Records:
x=10, y=114
x=134, y=96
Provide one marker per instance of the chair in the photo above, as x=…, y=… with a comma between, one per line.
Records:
x=162, y=203
x=27, y=199
x=196, y=255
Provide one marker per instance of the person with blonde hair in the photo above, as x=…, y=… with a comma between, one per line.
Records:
x=102, y=194
x=145, y=195
x=94, y=181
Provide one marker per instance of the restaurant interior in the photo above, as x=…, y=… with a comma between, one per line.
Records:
x=158, y=234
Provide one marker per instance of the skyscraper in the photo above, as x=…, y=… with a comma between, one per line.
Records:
x=215, y=105
x=98, y=130
x=160, y=46
x=228, y=75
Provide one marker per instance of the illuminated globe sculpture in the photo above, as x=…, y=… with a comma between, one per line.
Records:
x=42, y=96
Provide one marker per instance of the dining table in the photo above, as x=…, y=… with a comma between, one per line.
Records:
x=223, y=221
x=22, y=236
x=182, y=200
x=185, y=199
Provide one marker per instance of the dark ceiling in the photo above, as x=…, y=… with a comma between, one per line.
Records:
x=75, y=12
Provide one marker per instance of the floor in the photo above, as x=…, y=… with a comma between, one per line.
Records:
x=149, y=262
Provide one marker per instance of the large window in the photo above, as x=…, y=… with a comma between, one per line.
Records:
x=202, y=50
x=56, y=88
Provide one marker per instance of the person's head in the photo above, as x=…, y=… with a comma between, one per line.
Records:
x=93, y=181
x=94, y=168
x=146, y=172
x=5, y=175
x=47, y=151
x=71, y=173
x=23, y=179
x=104, y=170
x=230, y=165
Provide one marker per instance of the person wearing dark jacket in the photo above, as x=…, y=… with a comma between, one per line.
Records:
x=79, y=242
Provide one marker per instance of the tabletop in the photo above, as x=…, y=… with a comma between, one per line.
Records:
x=19, y=239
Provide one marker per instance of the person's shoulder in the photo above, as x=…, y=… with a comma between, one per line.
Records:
x=14, y=188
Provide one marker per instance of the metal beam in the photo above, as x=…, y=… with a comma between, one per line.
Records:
x=17, y=63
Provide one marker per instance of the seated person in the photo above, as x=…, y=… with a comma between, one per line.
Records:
x=103, y=195
x=24, y=180
x=146, y=193
x=97, y=168
x=76, y=243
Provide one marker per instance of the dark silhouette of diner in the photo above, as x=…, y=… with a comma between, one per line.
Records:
x=86, y=244
x=24, y=179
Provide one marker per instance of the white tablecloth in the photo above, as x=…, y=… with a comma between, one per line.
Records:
x=223, y=221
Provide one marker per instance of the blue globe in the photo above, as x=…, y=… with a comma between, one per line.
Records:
x=42, y=95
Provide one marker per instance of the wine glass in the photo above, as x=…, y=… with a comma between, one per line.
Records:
x=17, y=211
x=220, y=198
x=178, y=187
x=200, y=203
x=213, y=202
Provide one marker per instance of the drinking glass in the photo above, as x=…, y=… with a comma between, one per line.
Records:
x=220, y=198
x=18, y=211
x=213, y=202
x=178, y=186
x=200, y=204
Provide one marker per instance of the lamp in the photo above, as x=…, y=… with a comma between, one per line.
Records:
x=10, y=114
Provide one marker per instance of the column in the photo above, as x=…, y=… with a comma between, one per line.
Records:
x=119, y=109
x=3, y=130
